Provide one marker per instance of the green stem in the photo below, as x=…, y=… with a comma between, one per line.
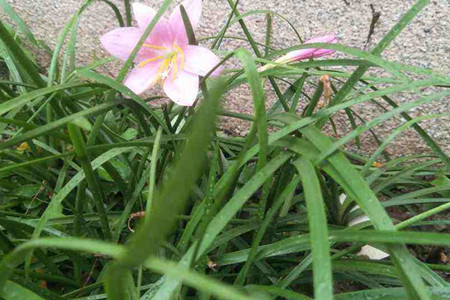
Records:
x=78, y=225
x=128, y=12
x=152, y=177
x=92, y=181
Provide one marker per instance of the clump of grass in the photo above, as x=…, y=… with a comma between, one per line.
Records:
x=260, y=217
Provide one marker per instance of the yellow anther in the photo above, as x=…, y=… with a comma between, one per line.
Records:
x=165, y=67
x=175, y=66
x=145, y=62
x=158, y=74
x=155, y=47
x=163, y=70
x=182, y=56
x=168, y=63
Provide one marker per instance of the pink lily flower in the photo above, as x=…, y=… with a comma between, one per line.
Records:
x=305, y=53
x=311, y=52
x=166, y=56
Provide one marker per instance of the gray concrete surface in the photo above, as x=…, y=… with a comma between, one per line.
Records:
x=426, y=43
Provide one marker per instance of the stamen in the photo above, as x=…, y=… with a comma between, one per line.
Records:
x=155, y=81
x=162, y=71
x=178, y=48
x=175, y=66
x=168, y=64
x=159, y=73
x=145, y=62
x=155, y=47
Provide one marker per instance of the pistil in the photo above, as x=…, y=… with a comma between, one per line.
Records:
x=169, y=62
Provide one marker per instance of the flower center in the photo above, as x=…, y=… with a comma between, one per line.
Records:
x=171, y=60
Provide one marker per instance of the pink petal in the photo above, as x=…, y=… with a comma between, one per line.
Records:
x=142, y=78
x=194, y=11
x=323, y=52
x=323, y=39
x=312, y=52
x=161, y=35
x=143, y=14
x=200, y=61
x=120, y=42
x=300, y=54
x=183, y=90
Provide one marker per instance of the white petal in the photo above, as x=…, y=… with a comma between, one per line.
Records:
x=142, y=78
x=194, y=11
x=200, y=60
x=183, y=90
x=120, y=42
x=143, y=14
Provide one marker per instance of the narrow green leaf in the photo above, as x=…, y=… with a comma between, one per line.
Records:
x=322, y=274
